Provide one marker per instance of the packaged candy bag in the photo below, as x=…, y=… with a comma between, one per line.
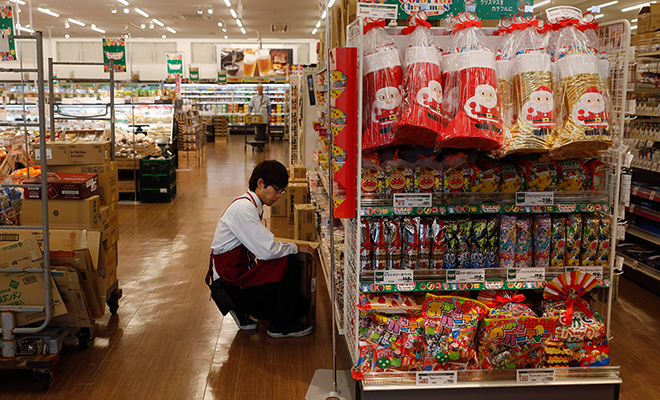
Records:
x=524, y=246
x=505, y=303
x=512, y=180
x=492, y=242
x=463, y=237
x=373, y=175
x=573, y=239
x=534, y=127
x=410, y=243
x=540, y=176
x=542, y=240
x=383, y=86
x=558, y=243
x=471, y=72
x=479, y=243
x=589, y=27
x=427, y=175
x=604, y=239
x=365, y=245
x=504, y=70
x=591, y=226
x=458, y=174
x=572, y=175
x=589, y=353
x=563, y=299
x=425, y=238
x=450, y=327
x=597, y=174
x=389, y=303
x=451, y=242
x=378, y=244
x=397, y=342
x=580, y=95
x=392, y=229
x=420, y=121
x=398, y=175
x=507, y=242
x=486, y=177
x=438, y=243
x=365, y=362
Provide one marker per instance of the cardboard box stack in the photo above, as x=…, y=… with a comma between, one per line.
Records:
x=290, y=215
x=191, y=140
x=648, y=18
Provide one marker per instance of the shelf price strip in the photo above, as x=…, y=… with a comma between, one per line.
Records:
x=535, y=376
x=477, y=275
x=435, y=378
x=394, y=277
x=525, y=274
x=597, y=272
x=410, y=209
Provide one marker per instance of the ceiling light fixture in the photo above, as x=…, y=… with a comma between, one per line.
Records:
x=233, y=13
x=314, y=31
x=113, y=10
x=243, y=30
x=47, y=11
x=24, y=29
x=331, y=3
x=224, y=29
x=143, y=26
x=633, y=20
x=171, y=30
x=632, y=28
x=99, y=30
x=226, y=37
x=123, y=2
x=66, y=25
x=239, y=23
x=323, y=15
x=318, y=24
x=75, y=21
x=157, y=22
x=599, y=16
x=151, y=25
x=638, y=6
x=21, y=2
x=220, y=24
x=142, y=13
x=210, y=11
x=200, y=11
x=227, y=3
x=126, y=10
x=67, y=36
x=164, y=36
x=541, y=4
x=611, y=3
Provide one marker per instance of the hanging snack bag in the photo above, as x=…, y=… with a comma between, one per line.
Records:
x=597, y=174
x=378, y=244
x=451, y=242
x=389, y=303
x=410, y=244
x=572, y=175
x=458, y=174
x=589, y=27
x=573, y=239
x=604, y=239
x=420, y=121
x=542, y=240
x=450, y=327
x=486, y=177
x=392, y=230
x=464, y=235
x=478, y=244
x=505, y=303
x=534, y=127
x=373, y=175
x=424, y=230
x=540, y=176
x=504, y=70
x=508, y=236
x=492, y=242
x=478, y=122
x=558, y=243
x=383, y=86
x=590, y=233
x=524, y=245
x=427, y=175
x=398, y=175
x=365, y=245
x=580, y=95
x=438, y=243
x=513, y=179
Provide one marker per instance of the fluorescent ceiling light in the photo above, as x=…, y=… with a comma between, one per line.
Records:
x=157, y=22
x=24, y=29
x=314, y=31
x=142, y=13
x=143, y=26
x=99, y=30
x=243, y=30
x=323, y=15
x=233, y=13
x=113, y=10
x=66, y=25
x=47, y=11
x=226, y=37
x=224, y=29
x=239, y=23
x=638, y=6
x=633, y=20
x=164, y=37
x=611, y=3
x=170, y=29
x=541, y=4
x=75, y=21
x=318, y=24
x=21, y=2
x=331, y=3
x=67, y=36
x=151, y=25
x=126, y=10
x=210, y=10
x=599, y=16
x=124, y=2
x=632, y=28
x=227, y=3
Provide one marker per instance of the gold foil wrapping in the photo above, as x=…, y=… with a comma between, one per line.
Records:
x=575, y=137
x=532, y=134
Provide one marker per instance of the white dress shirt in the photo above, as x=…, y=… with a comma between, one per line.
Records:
x=241, y=224
x=260, y=104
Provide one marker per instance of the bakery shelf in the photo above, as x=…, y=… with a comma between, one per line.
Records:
x=646, y=235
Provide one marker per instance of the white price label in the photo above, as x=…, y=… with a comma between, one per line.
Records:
x=535, y=198
x=597, y=272
x=466, y=275
x=535, y=375
x=394, y=277
x=525, y=274
x=632, y=208
x=413, y=200
x=49, y=154
x=563, y=12
x=377, y=11
x=635, y=190
x=652, y=195
x=435, y=378
x=619, y=264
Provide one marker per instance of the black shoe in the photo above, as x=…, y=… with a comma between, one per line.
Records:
x=244, y=321
x=294, y=330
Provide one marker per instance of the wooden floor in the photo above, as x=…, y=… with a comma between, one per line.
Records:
x=169, y=341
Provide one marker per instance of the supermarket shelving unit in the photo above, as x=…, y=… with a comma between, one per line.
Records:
x=590, y=382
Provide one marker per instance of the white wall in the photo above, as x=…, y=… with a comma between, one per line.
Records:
x=306, y=54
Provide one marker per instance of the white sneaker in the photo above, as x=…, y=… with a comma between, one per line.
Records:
x=244, y=321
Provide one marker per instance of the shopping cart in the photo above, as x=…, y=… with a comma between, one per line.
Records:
x=251, y=122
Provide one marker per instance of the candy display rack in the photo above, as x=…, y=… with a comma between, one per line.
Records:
x=587, y=382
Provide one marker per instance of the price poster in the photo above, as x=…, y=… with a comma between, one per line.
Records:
x=174, y=65
x=7, y=28
x=193, y=73
x=440, y=9
x=114, y=49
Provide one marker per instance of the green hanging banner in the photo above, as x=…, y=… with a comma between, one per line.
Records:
x=174, y=65
x=193, y=74
x=222, y=77
x=440, y=9
x=7, y=28
x=114, y=49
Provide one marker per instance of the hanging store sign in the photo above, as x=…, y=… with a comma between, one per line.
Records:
x=174, y=65
x=114, y=49
x=254, y=63
x=440, y=9
x=222, y=77
x=193, y=74
x=8, y=53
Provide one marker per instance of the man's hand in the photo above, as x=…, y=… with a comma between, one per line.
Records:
x=306, y=248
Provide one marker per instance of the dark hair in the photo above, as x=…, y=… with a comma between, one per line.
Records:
x=272, y=172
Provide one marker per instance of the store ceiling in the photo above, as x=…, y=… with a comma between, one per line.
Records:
x=179, y=15
x=301, y=17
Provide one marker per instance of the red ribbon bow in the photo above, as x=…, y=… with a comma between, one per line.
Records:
x=526, y=24
x=580, y=304
x=468, y=23
x=373, y=24
x=502, y=300
x=414, y=23
x=566, y=22
x=592, y=25
x=373, y=157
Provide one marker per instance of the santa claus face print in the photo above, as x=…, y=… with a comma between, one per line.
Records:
x=483, y=105
x=486, y=95
x=543, y=101
x=430, y=96
x=386, y=105
x=590, y=110
x=436, y=91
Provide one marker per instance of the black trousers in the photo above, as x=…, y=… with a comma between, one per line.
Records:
x=280, y=302
x=261, y=132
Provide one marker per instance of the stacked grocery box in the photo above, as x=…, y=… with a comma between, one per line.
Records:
x=191, y=140
x=157, y=180
x=221, y=125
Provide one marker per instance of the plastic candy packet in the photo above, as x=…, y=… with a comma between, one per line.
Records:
x=398, y=175
x=591, y=228
x=542, y=240
x=427, y=175
x=492, y=242
x=508, y=236
x=463, y=236
x=410, y=244
x=504, y=70
x=486, y=177
x=438, y=243
x=392, y=229
x=597, y=174
x=458, y=174
x=365, y=245
x=378, y=244
x=513, y=179
x=373, y=175
x=424, y=232
x=572, y=175
x=604, y=239
x=450, y=260
x=524, y=248
x=558, y=243
x=479, y=244
x=540, y=176
x=505, y=303
x=389, y=303
x=573, y=239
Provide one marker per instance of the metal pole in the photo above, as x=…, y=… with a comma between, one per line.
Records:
x=334, y=391
x=51, y=96
x=112, y=110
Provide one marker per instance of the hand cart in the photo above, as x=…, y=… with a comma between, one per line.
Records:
x=251, y=122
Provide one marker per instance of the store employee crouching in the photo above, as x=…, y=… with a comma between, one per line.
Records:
x=252, y=274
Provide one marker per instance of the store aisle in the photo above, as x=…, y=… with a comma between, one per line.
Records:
x=168, y=340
